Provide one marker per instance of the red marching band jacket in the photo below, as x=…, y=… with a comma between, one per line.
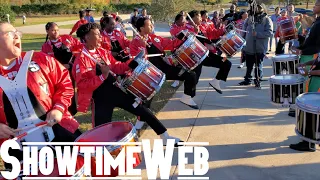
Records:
x=57, y=82
x=114, y=36
x=69, y=41
x=84, y=73
x=161, y=43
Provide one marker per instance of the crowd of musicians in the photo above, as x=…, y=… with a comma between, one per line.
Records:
x=92, y=63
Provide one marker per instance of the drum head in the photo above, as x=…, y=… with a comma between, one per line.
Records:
x=287, y=79
x=309, y=102
x=285, y=58
x=109, y=132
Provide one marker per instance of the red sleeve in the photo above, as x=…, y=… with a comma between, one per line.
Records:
x=174, y=31
x=169, y=44
x=63, y=88
x=85, y=76
x=75, y=27
x=136, y=46
x=214, y=33
x=44, y=48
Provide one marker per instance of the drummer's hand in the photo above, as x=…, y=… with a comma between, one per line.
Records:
x=210, y=47
x=54, y=117
x=225, y=22
x=105, y=69
x=305, y=72
x=6, y=131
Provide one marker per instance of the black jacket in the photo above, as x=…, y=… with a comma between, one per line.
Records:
x=311, y=44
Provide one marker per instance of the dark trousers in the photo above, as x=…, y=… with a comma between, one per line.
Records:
x=280, y=48
x=108, y=96
x=214, y=60
x=251, y=60
x=172, y=73
x=61, y=135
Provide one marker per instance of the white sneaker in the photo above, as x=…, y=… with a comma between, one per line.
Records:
x=139, y=124
x=186, y=99
x=175, y=84
x=241, y=65
x=216, y=85
x=165, y=136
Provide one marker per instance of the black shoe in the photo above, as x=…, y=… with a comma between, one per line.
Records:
x=303, y=146
x=245, y=83
x=267, y=53
x=292, y=113
x=257, y=84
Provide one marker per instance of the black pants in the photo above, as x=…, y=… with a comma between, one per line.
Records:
x=280, y=48
x=250, y=62
x=172, y=73
x=214, y=60
x=61, y=135
x=108, y=96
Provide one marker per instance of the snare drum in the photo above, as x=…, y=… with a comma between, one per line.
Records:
x=285, y=64
x=231, y=43
x=285, y=88
x=144, y=81
x=121, y=131
x=307, y=116
x=191, y=53
x=287, y=30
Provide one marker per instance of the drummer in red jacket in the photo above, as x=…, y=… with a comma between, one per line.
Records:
x=213, y=60
x=114, y=40
x=153, y=44
x=95, y=83
x=64, y=48
x=49, y=86
x=59, y=46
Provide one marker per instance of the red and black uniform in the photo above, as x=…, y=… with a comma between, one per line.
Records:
x=49, y=87
x=157, y=46
x=213, y=60
x=117, y=43
x=102, y=94
x=64, y=50
x=77, y=25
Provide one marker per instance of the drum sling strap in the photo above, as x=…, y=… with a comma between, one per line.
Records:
x=18, y=95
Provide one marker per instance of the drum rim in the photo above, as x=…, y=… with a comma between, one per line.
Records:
x=300, y=79
x=305, y=107
x=111, y=148
x=200, y=61
x=292, y=58
x=305, y=138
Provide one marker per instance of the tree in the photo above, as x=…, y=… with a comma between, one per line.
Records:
x=166, y=10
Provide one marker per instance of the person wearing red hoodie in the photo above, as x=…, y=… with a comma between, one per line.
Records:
x=63, y=48
x=153, y=44
x=114, y=40
x=79, y=23
x=213, y=60
x=92, y=72
x=280, y=46
x=49, y=91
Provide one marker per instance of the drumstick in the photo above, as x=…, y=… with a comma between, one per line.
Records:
x=137, y=34
x=32, y=126
x=30, y=131
x=191, y=19
x=94, y=60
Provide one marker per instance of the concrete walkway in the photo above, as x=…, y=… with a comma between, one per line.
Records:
x=161, y=29
x=248, y=136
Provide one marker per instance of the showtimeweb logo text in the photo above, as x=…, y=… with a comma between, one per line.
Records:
x=156, y=159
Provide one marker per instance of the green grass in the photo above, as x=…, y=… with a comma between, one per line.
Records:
x=44, y=19
x=32, y=41
x=68, y=26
